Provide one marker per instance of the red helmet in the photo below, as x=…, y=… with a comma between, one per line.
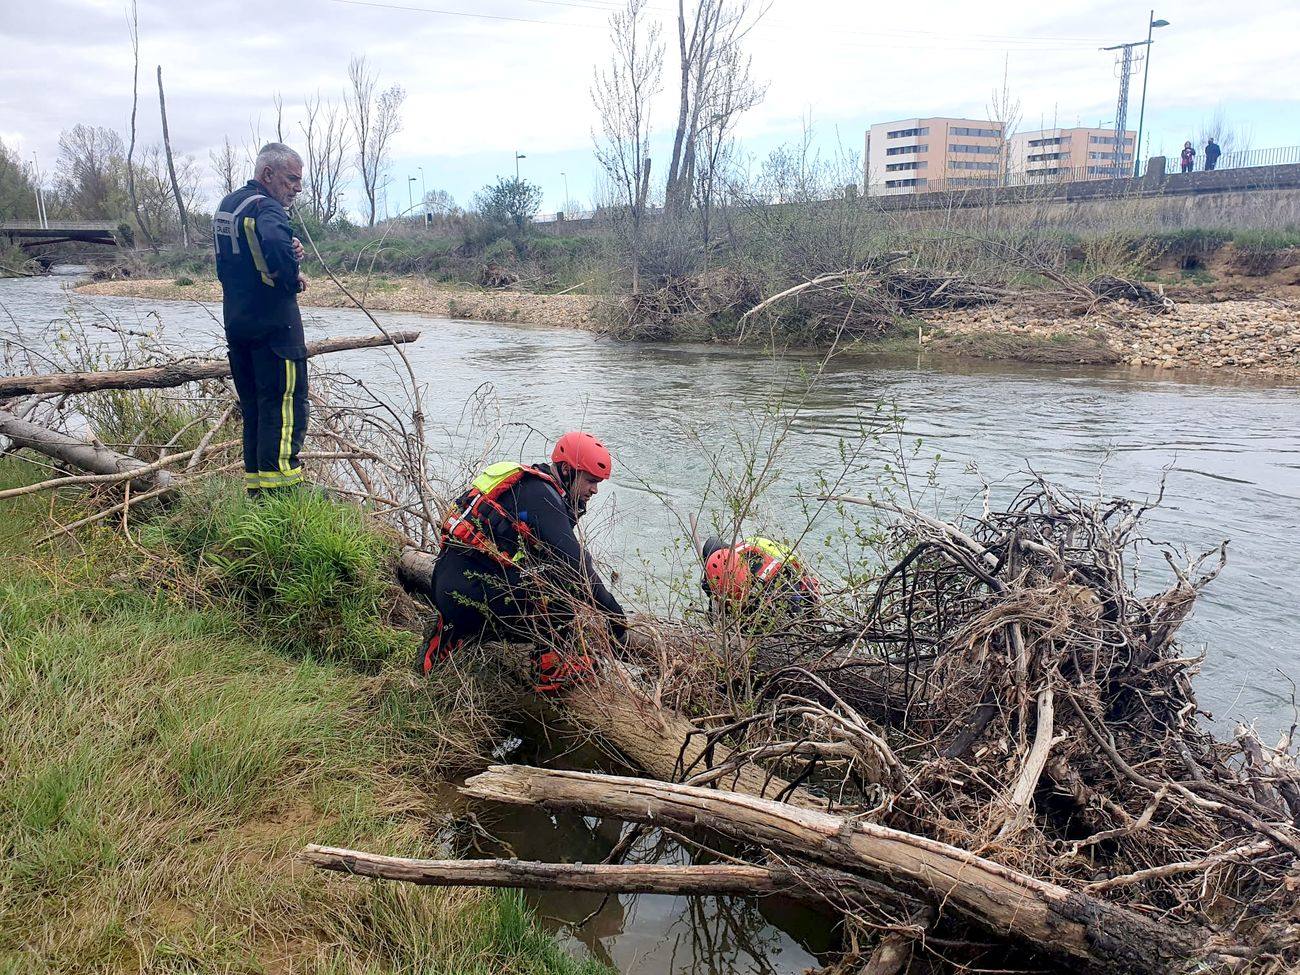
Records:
x=583, y=452
x=728, y=574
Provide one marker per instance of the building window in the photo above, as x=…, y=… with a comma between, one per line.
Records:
x=980, y=150
x=1042, y=156
x=893, y=183
x=1108, y=140
x=896, y=167
x=904, y=150
x=968, y=164
x=972, y=181
x=906, y=133
x=978, y=133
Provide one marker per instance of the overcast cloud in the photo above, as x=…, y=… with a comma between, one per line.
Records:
x=514, y=74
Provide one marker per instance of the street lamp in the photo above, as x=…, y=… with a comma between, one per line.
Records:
x=1152, y=24
x=424, y=190
x=410, y=191
x=565, y=177
x=518, y=156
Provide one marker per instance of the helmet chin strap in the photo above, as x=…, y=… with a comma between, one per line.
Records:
x=567, y=475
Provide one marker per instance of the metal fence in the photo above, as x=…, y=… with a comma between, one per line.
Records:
x=1244, y=159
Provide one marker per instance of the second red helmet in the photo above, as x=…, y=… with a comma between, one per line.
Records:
x=728, y=574
x=583, y=452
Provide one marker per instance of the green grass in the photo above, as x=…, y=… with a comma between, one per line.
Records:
x=162, y=759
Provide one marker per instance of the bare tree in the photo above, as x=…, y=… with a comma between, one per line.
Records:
x=375, y=117
x=160, y=181
x=1219, y=127
x=134, y=30
x=171, y=164
x=90, y=172
x=1004, y=109
x=328, y=145
x=622, y=93
x=224, y=162
x=711, y=60
x=278, y=101
x=730, y=95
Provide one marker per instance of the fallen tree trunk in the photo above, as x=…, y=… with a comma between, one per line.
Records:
x=660, y=742
x=1049, y=917
x=95, y=458
x=819, y=886
x=172, y=374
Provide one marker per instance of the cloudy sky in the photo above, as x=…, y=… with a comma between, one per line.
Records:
x=487, y=78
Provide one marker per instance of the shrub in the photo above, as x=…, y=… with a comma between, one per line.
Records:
x=313, y=574
x=501, y=251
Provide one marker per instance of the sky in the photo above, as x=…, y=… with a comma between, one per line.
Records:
x=486, y=80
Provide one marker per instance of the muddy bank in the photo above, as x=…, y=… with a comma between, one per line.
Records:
x=387, y=294
x=1261, y=334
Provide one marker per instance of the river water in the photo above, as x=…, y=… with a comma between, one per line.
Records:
x=675, y=415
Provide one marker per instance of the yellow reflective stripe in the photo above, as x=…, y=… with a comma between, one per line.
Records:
x=255, y=248
x=286, y=416
x=275, y=480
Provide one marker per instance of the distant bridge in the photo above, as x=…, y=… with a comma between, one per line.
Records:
x=32, y=234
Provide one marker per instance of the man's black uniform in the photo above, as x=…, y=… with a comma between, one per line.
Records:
x=479, y=597
x=268, y=355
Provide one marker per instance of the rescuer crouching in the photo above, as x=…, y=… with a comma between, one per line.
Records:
x=757, y=581
x=510, y=566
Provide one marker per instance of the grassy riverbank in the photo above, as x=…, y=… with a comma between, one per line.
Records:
x=184, y=709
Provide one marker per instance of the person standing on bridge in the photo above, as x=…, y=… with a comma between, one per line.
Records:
x=1212, y=154
x=258, y=262
x=1187, y=158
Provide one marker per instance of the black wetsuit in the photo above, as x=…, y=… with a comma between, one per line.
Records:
x=479, y=598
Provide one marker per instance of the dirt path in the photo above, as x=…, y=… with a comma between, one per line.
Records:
x=566, y=311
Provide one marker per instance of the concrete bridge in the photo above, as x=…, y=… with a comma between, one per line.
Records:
x=29, y=234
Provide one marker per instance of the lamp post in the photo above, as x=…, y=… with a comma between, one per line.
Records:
x=40, y=194
x=518, y=156
x=564, y=176
x=424, y=190
x=410, y=192
x=1152, y=24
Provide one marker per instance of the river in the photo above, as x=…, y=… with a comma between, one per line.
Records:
x=1227, y=446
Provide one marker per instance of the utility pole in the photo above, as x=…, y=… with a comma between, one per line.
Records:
x=1125, y=59
x=1152, y=24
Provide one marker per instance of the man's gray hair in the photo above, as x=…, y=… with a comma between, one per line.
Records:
x=276, y=155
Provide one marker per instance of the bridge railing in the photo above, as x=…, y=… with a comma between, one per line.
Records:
x=58, y=225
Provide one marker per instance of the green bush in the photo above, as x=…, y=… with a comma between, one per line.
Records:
x=314, y=575
x=183, y=281
x=500, y=251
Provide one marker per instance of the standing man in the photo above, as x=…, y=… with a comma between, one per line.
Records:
x=257, y=261
x=1212, y=154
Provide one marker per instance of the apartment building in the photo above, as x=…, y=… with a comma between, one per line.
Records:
x=1062, y=154
x=919, y=154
